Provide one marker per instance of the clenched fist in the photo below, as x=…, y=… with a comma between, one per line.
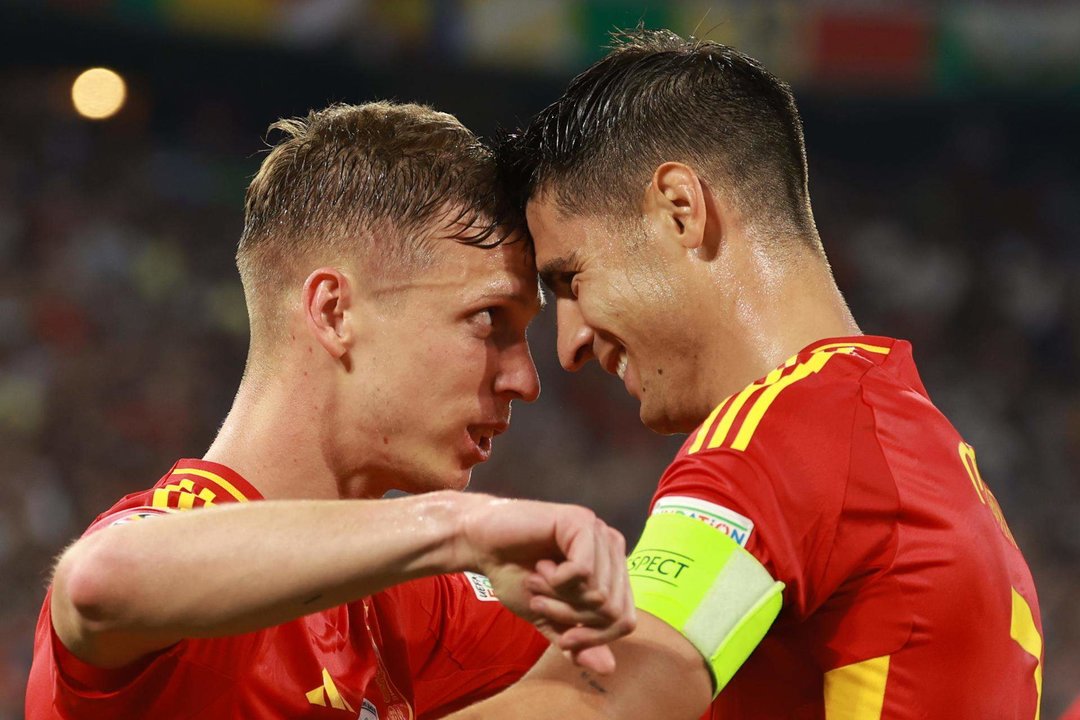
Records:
x=558, y=566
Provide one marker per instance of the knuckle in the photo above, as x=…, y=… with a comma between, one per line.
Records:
x=583, y=514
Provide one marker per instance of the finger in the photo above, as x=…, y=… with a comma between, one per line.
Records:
x=545, y=567
x=570, y=579
x=580, y=637
x=537, y=584
x=559, y=612
x=620, y=598
x=598, y=659
x=602, y=573
x=579, y=547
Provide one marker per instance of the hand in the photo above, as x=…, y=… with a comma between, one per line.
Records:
x=559, y=567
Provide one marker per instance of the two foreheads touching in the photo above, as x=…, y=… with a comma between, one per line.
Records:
x=382, y=183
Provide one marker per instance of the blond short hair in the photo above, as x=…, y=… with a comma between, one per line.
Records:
x=366, y=182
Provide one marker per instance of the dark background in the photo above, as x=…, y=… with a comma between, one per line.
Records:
x=945, y=172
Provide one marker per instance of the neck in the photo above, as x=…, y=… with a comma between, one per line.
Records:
x=273, y=437
x=780, y=307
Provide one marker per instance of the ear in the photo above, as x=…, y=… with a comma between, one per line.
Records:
x=328, y=310
x=675, y=199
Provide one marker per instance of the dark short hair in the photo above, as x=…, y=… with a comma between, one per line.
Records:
x=367, y=181
x=656, y=98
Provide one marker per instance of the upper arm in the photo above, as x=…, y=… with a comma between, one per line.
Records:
x=657, y=673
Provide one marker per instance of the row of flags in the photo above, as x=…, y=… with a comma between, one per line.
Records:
x=889, y=46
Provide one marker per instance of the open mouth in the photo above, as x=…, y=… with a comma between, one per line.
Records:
x=483, y=437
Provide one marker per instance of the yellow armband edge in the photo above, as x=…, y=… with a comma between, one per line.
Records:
x=706, y=586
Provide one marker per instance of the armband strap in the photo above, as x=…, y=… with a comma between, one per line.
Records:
x=705, y=585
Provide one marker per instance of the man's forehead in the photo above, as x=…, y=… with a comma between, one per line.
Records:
x=505, y=273
x=554, y=232
x=522, y=291
x=559, y=239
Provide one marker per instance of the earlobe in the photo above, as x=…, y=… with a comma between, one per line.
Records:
x=327, y=304
x=681, y=202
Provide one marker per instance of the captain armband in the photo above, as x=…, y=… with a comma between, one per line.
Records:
x=705, y=585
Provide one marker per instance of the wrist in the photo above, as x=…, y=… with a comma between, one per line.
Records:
x=469, y=548
x=450, y=515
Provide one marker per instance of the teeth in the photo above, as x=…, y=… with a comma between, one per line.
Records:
x=621, y=369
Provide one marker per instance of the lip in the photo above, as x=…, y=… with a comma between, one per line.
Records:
x=481, y=439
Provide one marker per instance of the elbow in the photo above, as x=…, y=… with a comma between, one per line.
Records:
x=89, y=595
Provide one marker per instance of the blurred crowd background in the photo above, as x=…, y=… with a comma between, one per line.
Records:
x=945, y=173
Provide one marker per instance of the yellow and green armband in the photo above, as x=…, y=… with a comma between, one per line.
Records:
x=705, y=585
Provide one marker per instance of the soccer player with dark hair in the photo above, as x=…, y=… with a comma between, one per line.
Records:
x=823, y=545
x=389, y=295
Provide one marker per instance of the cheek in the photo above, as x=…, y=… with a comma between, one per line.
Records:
x=455, y=367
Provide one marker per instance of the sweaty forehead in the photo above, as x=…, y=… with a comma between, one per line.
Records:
x=505, y=273
x=564, y=241
x=553, y=232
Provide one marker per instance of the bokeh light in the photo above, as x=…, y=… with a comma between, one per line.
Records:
x=98, y=93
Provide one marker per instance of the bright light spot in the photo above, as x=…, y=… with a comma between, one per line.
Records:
x=98, y=93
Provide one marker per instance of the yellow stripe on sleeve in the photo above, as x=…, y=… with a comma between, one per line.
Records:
x=703, y=432
x=856, y=691
x=770, y=386
x=214, y=478
x=761, y=405
x=737, y=404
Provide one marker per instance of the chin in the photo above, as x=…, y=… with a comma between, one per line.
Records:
x=417, y=483
x=460, y=482
x=457, y=479
x=665, y=422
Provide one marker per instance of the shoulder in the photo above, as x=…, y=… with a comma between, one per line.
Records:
x=802, y=399
x=190, y=484
x=783, y=440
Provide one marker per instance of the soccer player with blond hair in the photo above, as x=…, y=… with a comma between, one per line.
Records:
x=389, y=294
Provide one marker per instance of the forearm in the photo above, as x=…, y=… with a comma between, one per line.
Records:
x=230, y=570
x=658, y=673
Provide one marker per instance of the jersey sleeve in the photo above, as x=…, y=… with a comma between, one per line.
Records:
x=77, y=689
x=775, y=477
x=464, y=645
x=60, y=682
x=125, y=517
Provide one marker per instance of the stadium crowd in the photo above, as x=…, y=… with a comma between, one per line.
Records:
x=123, y=331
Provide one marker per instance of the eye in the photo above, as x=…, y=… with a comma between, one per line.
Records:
x=562, y=284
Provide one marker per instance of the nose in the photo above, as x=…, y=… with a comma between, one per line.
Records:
x=575, y=336
x=518, y=377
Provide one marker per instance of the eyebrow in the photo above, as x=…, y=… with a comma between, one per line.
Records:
x=559, y=269
x=515, y=298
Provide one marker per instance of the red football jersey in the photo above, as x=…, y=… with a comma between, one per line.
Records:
x=417, y=650
x=906, y=595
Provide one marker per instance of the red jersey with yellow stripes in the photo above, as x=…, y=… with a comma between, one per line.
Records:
x=906, y=595
x=417, y=650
